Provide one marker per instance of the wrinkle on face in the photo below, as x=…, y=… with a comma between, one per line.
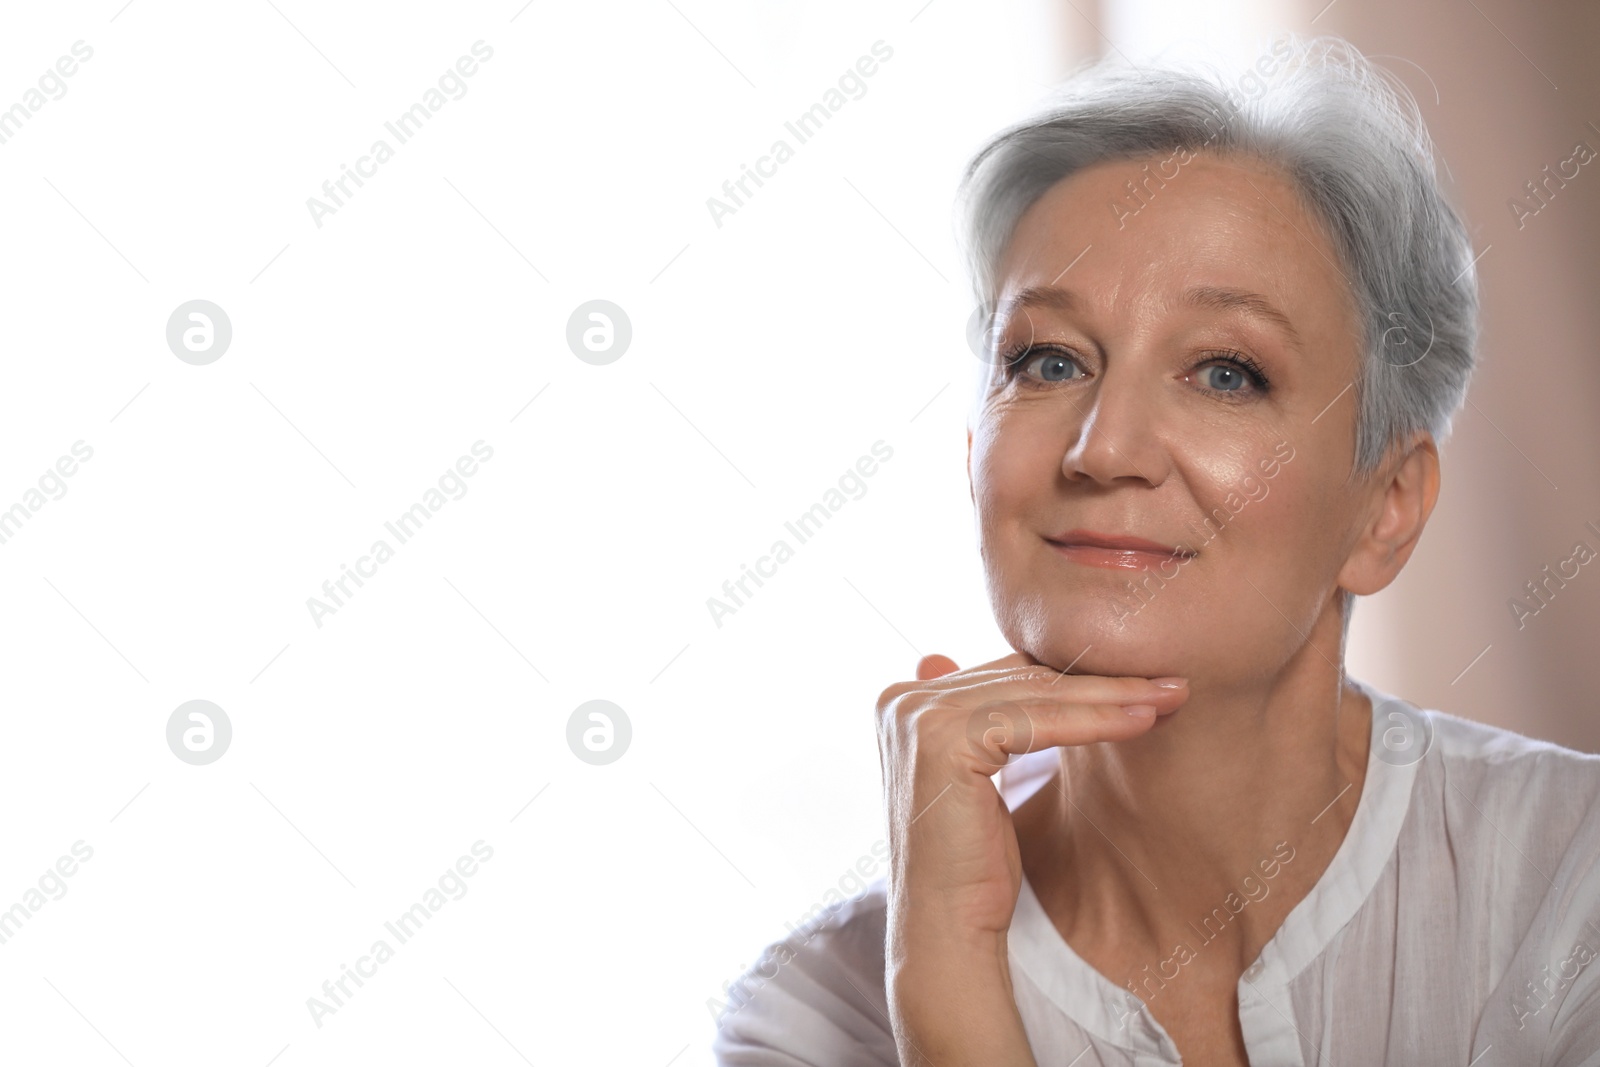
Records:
x=1219, y=259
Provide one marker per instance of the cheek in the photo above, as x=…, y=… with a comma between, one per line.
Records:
x=1284, y=533
x=1014, y=461
x=1294, y=500
x=1252, y=461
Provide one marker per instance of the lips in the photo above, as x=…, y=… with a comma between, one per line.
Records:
x=1115, y=550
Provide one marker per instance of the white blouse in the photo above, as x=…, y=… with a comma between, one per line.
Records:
x=1455, y=925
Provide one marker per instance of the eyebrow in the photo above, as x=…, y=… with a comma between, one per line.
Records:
x=1047, y=296
x=1250, y=303
x=1209, y=297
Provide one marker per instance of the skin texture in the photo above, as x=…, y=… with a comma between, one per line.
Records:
x=1132, y=421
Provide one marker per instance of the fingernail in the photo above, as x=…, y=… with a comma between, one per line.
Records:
x=1140, y=711
x=1171, y=682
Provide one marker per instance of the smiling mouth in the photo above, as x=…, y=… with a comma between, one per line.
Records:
x=1116, y=553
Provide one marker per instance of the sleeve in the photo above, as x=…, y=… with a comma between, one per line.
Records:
x=1574, y=1037
x=815, y=999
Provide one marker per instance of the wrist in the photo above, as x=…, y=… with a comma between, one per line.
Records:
x=952, y=1004
x=967, y=958
x=951, y=990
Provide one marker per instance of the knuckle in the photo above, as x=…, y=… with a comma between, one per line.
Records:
x=902, y=717
x=931, y=731
x=890, y=697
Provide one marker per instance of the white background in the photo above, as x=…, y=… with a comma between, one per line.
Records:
x=427, y=313
x=371, y=752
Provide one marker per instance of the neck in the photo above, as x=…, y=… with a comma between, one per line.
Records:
x=1137, y=843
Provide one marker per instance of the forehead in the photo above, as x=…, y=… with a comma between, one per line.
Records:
x=1152, y=227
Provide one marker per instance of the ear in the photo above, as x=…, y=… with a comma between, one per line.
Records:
x=1407, y=491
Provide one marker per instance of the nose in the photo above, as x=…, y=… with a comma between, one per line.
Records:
x=1117, y=436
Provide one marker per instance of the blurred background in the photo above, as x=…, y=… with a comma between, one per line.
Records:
x=1506, y=93
x=758, y=352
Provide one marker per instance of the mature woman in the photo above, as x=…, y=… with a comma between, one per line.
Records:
x=1229, y=331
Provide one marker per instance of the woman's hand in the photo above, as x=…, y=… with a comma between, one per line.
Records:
x=955, y=869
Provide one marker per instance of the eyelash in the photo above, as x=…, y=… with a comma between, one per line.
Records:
x=1019, y=356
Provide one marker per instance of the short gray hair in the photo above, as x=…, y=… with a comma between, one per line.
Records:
x=1348, y=137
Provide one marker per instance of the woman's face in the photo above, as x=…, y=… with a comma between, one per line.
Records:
x=1184, y=376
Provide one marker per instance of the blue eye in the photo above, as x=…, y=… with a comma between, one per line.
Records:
x=1231, y=379
x=1231, y=373
x=1228, y=374
x=1044, y=364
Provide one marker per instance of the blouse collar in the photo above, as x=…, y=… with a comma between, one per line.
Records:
x=1401, y=738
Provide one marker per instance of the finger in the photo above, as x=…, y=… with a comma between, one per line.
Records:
x=1032, y=683
x=1055, y=723
x=935, y=666
x=999, y=729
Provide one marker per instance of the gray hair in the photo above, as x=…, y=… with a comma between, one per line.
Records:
x=1350, y=140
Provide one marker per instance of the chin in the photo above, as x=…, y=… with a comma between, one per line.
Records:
x=1100, y=637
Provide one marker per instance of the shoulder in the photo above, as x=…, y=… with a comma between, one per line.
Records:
x=1468, y=738
x=1525, y=812
x=816, y=996
x=1496, y=761
x=1524, y=815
